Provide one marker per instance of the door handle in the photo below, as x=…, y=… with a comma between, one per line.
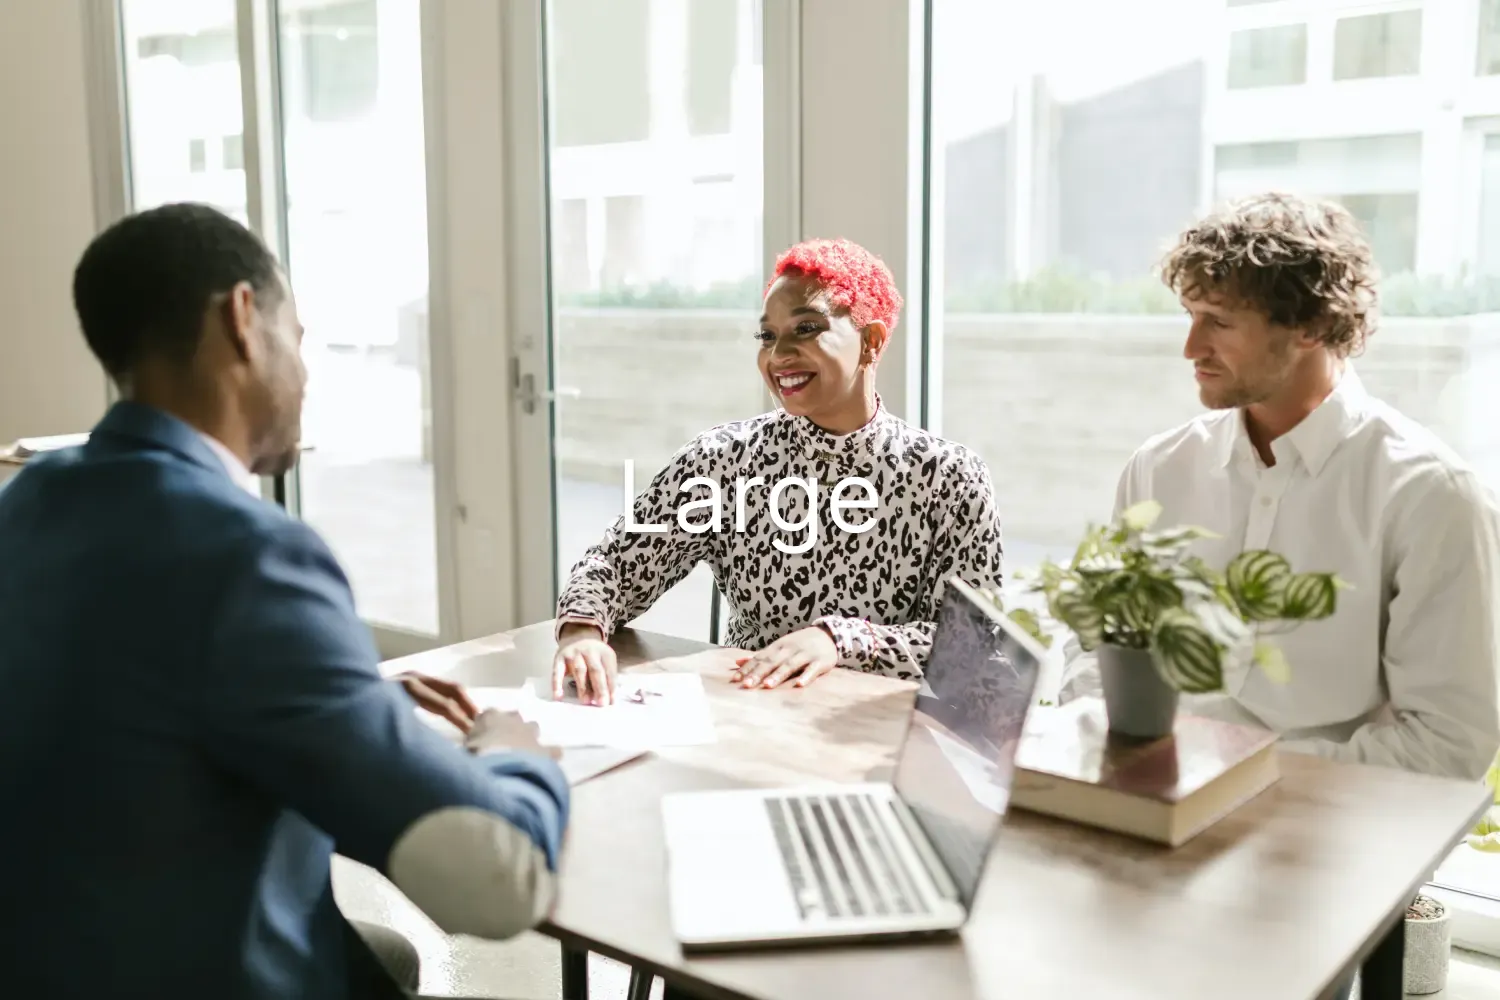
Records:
x=530, y=395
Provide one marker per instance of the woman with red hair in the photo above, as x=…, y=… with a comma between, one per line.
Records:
x=853, y=578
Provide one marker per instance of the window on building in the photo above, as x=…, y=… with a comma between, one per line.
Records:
x=1375, y=45
x=601, y=56
x=1489, y=38
x=1376, y=177
x=182, y=84
x=1489, y=208
x=193, y=49
x=233, y=151
x=335, y=58
x=712, y=52
x=1268, y=57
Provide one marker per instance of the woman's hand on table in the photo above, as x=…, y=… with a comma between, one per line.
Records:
x=806, y=655
x=584, y=657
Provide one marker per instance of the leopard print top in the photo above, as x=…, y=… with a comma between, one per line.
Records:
x=876, y=588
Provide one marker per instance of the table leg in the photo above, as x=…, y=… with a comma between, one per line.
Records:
x=1383, y=976
x=575, y=974
x=640, y=985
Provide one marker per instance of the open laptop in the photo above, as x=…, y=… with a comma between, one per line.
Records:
x=761, y=867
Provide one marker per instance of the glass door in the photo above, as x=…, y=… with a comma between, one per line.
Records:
x=654, y=158
x=350, y=85
x=304, y=120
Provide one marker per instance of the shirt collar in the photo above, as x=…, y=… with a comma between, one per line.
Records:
x=1314, y=439
x=855, y=444
x=242, y=476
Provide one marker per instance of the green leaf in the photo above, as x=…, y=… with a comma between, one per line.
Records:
x=1257, y=582
x=1075, y=611
x=1310, y=596
x=1169, y=544
x=1272, y=662
x=1141, y=600
x=1197, y=568
x=1223, y=624
x=1140, y=516
x=1186, y=654
x=1028, y=621
x=1099, y=564
x=1091, y=543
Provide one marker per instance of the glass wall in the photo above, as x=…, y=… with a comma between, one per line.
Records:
x=350, y=83
x=356, y=191
x=1065, y=161
x=655, y=164
x=183, y=108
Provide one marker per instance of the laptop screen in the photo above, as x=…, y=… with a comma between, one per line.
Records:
x=956, y=762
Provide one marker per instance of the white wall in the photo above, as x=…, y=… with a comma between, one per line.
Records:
x=49, y=382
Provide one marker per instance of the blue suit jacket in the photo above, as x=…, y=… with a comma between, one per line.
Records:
x=191, y=723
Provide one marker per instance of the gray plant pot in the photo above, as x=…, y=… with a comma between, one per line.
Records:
x=1139, y=703
x=1429, y=944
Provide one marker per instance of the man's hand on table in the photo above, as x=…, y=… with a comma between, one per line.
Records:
x=444, y=698
x=806, y=654
x=584, y=656
x=497, y=731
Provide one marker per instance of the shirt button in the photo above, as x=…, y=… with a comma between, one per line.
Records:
x=1265, y=501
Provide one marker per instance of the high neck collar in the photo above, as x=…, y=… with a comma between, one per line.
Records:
x=850, y=445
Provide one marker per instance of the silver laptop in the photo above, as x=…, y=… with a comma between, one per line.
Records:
x=873, y=860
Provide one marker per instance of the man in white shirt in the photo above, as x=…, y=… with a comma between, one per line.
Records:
x=1295, y=456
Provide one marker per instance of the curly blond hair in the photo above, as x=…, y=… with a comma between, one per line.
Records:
x=1303, y=264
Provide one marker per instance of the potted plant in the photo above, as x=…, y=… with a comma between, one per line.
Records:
x=1429, y=943
x=1164, y=622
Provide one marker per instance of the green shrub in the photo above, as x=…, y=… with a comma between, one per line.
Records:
x=745, y=295
x=1059, y=289
x=1408, y=294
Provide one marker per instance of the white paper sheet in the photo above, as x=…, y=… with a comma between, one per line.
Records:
x=502, y=699
x=578, y=763
x=672, y=710
x=582, y=763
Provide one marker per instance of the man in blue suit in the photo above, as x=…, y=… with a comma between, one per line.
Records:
x=193, y=720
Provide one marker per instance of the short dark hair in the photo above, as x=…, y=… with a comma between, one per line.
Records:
x=1302, y=263
x=141, y=287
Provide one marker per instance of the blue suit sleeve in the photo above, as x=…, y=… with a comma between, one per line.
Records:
x=293, y=701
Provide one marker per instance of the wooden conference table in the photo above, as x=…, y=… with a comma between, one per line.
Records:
x=1276, y=902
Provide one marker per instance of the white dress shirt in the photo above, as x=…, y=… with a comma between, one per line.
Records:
x=246, y=479
x=1404, y=673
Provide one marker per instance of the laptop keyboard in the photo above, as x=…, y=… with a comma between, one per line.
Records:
x=839, y=859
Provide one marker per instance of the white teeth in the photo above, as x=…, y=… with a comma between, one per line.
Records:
x=791, y=381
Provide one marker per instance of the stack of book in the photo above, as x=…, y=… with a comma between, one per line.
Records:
x=1168, y=790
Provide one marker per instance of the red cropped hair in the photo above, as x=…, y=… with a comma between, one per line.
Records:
x=853, y=277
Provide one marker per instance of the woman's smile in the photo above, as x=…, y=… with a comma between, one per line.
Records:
x=793, y=380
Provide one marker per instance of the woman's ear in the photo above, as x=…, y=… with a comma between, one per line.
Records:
x=873, y=340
